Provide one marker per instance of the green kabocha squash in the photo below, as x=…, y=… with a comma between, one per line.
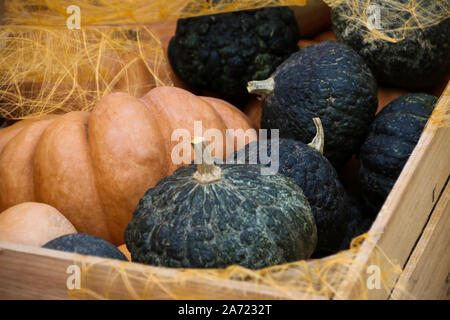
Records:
x=222, y=52
x=330, y=81
x=411, y=47
x=392, y=137
x=87, y=244
x=6, y=122
x=359, y=222
x=220, y=215
x=315, y=175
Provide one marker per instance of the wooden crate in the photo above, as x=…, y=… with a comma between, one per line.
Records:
x=412, y=230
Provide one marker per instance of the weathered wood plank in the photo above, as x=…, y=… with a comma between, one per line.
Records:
x=427, y=273
x=36, y=273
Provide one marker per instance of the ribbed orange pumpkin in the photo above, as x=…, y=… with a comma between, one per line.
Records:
x=94, y=167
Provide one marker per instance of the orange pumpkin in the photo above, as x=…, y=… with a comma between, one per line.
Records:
x=253, y=110
x=124, y=250
x=234, y=119
x=94, y=167
x=386, y=95
x=304, y=43
x=33, y=224
x=325, y=36
x=312, y=17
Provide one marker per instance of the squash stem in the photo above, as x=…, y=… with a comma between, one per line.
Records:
x=262, y=87
x=319, y=140
x=207, y=171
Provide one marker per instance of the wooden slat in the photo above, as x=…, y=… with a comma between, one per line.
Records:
x=408, y=207
x=427, y=273
x=37, y=273
x=23, y=275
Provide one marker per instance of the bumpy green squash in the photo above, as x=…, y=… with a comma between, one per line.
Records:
x=222, y=52
x=219, y=215
x=417, y=53
x=392, y=137
x=87, y=244
x=330, y=81
x=318, y=179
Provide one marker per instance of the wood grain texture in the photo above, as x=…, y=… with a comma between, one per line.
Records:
x=408, y=207
x=37, y=273
x=427, y=273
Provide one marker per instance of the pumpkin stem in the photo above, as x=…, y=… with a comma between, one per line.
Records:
x=263, y=87
x=207, y=171
x=319, y=140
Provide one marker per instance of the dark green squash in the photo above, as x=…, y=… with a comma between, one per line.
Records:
x=392, y=137
x=318, y=179
x=359, y=222
x=414, y=52
x=222, y=52
x=83, y=243
x=216, y=216
x=330, y=81
x=5, y=122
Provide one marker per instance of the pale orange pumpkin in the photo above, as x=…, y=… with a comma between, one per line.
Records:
x=33, y=224
x=94, y=167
